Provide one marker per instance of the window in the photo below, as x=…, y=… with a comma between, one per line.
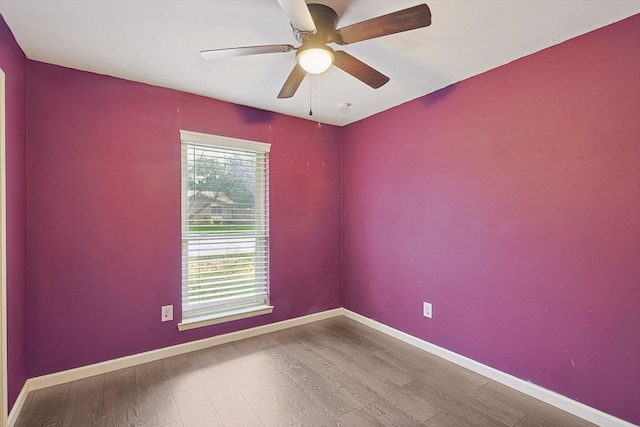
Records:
x=225, y=229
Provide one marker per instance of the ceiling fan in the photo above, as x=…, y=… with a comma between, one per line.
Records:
x=314, y=26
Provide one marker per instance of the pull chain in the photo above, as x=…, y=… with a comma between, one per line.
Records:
x=310, y=103
x=318, y=87
x=311, y=97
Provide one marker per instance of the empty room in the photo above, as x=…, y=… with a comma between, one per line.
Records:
x=331, y=213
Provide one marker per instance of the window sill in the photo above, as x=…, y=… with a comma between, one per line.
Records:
x=227, y=316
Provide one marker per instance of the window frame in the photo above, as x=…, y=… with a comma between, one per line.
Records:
x=261, y=202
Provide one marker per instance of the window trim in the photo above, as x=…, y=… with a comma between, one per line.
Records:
x=240, y=144
x=227, y=316
x=190, y=137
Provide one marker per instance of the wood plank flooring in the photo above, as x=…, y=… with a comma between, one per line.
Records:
x=335, y=372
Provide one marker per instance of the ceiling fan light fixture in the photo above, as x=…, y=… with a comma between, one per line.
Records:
x=315, y=60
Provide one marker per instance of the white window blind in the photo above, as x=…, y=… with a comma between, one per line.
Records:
x=225, y=225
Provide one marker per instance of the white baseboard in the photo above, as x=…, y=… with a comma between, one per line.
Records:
x=562, y=402
x=17, y=406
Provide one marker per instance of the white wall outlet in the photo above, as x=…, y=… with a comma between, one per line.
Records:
x=427, y=310
x=167, y=313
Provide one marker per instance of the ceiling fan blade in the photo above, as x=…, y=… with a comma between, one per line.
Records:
x=293, y=82
x=403, y=20
x=247, y=50
x=299, y=15
x=359, y=69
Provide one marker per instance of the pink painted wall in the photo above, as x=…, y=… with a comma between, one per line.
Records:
x=14, y=65
x=104, y=214
x=511, y=201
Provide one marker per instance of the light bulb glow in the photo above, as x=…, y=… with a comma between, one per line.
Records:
x=315, y=60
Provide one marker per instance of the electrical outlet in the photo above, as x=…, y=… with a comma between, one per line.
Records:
x=167, y=313
x=427, y=310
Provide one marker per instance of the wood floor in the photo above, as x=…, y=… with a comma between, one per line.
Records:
x=335, y=372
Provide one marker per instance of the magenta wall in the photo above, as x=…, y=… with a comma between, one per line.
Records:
x=511, y=201
x=104, y=214
x=14, y=63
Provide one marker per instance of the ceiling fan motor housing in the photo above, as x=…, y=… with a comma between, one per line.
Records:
x=326, y=21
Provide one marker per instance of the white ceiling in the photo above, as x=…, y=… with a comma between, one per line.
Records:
x=159, y=41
